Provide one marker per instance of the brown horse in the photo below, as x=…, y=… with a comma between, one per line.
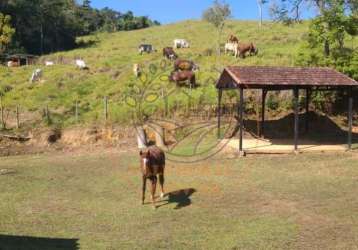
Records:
x=152, y=163
x=243, y=48
x=181, y=76
x=181, y=64
x=233, y=39
x=169, y=53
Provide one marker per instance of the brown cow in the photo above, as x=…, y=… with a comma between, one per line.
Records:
x=13, y=64
x=152, y=162
x=233, y=39
x=181, y=76
x=181, y=64
x=169, y=53
x=243, y=48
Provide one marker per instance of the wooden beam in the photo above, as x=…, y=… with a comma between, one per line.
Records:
x=350, y=118
x=263, y=103
x=308, y=97
x=296, y=128
x=220, y=93
x=241, y=111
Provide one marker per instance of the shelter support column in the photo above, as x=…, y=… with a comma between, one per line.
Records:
x=308, y=98
x=350, y=118
x=220, y=93
x=263, y=103
x=241, y=120
x=296, y=126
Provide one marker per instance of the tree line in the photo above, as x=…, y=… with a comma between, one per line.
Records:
x=45, y=26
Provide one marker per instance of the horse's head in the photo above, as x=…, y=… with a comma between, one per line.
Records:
x=144, y=155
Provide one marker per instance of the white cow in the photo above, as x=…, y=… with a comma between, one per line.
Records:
x=36, y=75
x=137, y=70
x=81, y=64
x=13, y=64
x=49, y=63
x=233, y=47
x=181, y=43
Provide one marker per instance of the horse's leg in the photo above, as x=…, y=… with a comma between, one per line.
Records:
x=161, y=182
x=143, y=188
x=154, y=185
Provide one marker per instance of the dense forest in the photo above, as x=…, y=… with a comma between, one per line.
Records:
x=45, y=26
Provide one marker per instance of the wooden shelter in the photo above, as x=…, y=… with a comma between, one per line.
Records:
x=284, y=78
x=22, y=59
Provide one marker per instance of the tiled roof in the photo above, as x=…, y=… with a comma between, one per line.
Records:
x=260, y=76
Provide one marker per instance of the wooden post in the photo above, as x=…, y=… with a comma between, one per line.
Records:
x=165, y=99
x=106, y=108
x=47, y=113
x=159, y=135
x=220, y=93
x=296, y=95
x=17, y=117
x=241, y=111
x=2, y=113
x=350, y=118
x=263, y=103
x=141, y=137
x=308, y=97
x=76, y=111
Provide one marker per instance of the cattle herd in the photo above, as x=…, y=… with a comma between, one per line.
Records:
x=184, y=70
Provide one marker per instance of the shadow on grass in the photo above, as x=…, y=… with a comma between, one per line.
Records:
x=8, y=242
x=180, y=197
x=322, y=130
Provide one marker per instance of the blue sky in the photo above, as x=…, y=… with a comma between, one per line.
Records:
x=167, y=11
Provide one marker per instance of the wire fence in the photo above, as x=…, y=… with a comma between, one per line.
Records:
x=17, y=116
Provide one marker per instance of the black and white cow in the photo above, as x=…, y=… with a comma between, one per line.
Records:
x=148, y=48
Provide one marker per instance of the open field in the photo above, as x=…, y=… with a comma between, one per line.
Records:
x=306, y=201
x=110, y=57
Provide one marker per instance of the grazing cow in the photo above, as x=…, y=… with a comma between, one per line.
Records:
x=81, y=64
x=181, y=43
x=49, y=63
x=137, y=70
x=233, y=47
x=233, y=39
x=169, y=53
x=36, y=75
x=152, y=163
x=148, y=48
x=243, y=48
x=13, y=64
x=181, y=76
x=181, y=64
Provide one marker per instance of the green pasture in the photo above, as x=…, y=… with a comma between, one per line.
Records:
x=92, y=201
x=110, y=57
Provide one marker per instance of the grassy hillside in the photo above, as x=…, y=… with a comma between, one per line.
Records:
x=110, y=58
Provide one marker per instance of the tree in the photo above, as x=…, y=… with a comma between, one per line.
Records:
x=260, y=4
x=6, y=31
x=287, y=12
x=325, y=45
x=217, y=15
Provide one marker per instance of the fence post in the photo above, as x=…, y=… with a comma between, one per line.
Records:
x=106, y=107
x=47, y=114
x=165, y=99
x=17, y=117
x=2, y=113
x=76, y=111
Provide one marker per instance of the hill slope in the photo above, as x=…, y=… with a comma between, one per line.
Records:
x=110, y=58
